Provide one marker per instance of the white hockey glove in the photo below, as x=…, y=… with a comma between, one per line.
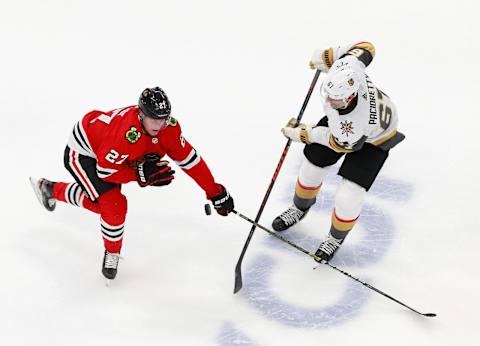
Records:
x=323, y=59
x=301, y=133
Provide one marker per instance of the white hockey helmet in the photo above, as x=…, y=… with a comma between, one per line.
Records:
x=340, y=86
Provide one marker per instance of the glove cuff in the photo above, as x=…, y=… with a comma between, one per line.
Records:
x=217, y=190
x=328, y=57
x=304, y=134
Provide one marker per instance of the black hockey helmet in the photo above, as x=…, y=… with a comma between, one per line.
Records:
x=154, y=103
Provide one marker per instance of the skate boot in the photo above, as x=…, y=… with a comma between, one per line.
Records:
x=327, y=249
x=44, y=191
x=110, y=264
x=288, y=218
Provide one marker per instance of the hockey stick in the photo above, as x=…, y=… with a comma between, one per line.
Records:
x=316, y=258
x=378, y=291
x=238, y=267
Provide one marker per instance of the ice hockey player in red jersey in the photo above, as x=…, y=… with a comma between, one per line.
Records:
x=360, y=125
x=108, y=149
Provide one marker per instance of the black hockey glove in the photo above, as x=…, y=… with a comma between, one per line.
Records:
x=152, y=171
x=223, y=202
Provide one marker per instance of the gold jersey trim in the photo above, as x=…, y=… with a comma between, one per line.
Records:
x=385, y=138
x=337, y=147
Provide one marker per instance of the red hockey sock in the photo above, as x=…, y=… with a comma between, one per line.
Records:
x=73, y=194
x=111, y=205
x=112, y=246
x=113, y=210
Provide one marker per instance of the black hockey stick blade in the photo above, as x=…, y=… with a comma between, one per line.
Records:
x=238, y=269
x=238, y=278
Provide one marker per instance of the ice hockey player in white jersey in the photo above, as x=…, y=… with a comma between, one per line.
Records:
x=360, y=125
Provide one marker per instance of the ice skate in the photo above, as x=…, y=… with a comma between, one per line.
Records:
x=110, y=265
x=43, y=189
x=288, y=218
x=327, y=249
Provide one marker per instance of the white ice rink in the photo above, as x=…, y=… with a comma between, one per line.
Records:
x=235, y=72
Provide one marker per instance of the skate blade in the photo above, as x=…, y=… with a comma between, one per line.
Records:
x=36, y=189
x=107, y=282
x=318, y=265
x=51, y=203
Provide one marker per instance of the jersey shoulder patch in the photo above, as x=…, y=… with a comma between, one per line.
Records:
x=172, y=122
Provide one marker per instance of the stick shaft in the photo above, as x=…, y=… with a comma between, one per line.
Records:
x=299, y=248
x=377, y=290
x=238, y=267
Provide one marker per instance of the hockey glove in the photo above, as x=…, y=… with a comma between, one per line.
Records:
x=152, y=171
x=223, y=202
x=301, y=133
x=323, y=59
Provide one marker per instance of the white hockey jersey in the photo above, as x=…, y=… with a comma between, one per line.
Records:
x=370, y=118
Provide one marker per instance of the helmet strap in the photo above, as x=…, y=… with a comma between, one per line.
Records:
x=350, y=106
x=349, y=100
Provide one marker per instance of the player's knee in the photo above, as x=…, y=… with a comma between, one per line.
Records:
x=113, y=206
x=349, y=200
x=311, y=175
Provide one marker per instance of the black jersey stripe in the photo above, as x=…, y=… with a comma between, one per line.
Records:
x=78, y=140
x=79, y=129
x=193, y=158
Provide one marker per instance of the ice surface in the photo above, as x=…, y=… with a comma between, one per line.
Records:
x=235, y=73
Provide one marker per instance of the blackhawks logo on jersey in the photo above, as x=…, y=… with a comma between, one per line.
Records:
x=132, y=135
x=346, y=127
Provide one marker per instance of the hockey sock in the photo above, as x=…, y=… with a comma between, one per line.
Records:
x=340, y=227
x=305, y=196
x=73, y=194
x=112, y=246
x=113, y=210
x=112, y=207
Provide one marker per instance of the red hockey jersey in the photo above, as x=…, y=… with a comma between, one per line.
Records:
x=116, y=139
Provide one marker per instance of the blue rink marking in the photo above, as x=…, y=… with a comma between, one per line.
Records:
x=262, y=297
x=377, y=236
x=231, y=336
